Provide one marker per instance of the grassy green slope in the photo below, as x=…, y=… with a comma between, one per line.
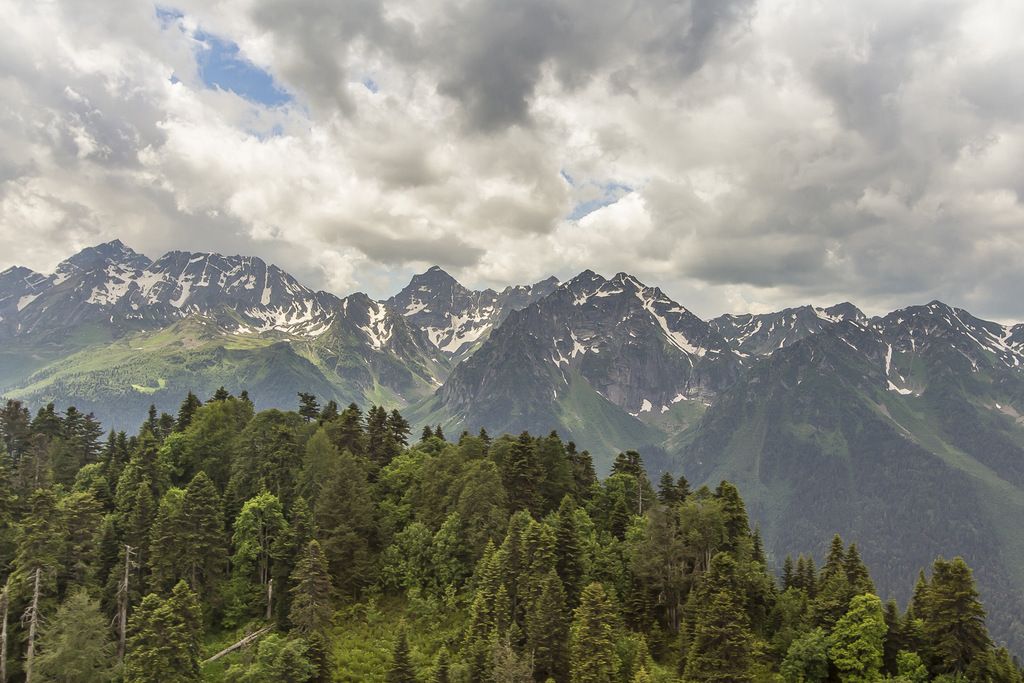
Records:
x=118, y=379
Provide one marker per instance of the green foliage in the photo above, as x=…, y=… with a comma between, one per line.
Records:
x=592, y=655
x=855, y=646
x=506, y=557
x=164, y=641
x=74, y=644
x=806, y=660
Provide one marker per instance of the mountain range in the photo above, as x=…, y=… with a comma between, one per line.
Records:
x=907, y=427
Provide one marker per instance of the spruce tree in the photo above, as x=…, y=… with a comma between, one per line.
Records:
x=668, y=493
x=165, y=636
x=954, y=619
x=344, y=517
x=592, y=652
x=442, y=667
x=568, y=551
x=187, y=411
x=401, y=670
x=74, y=644
x=547, y=628
x=721, y=647
x=311, y=611
x=203, y=555
x=309, y=408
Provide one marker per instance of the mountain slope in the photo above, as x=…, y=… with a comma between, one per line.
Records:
x=455, y=319
x=874, y=431
x=760, y=334
x=591, y=359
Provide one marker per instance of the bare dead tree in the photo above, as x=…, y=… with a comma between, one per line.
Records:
x=4, y=604
x=122, y=603
x=270, y=596
x=32, y=616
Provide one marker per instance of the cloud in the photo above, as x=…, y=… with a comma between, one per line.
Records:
x=742, y=154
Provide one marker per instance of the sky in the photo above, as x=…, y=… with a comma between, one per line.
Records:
x=743, y=155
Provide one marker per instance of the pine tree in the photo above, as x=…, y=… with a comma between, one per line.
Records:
x=592, y=652
x=401, y=670
x=721, y=647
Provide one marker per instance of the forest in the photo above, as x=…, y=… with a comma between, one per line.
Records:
x=333, y=544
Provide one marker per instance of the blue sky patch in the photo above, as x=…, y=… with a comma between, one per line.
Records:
x=221, y=65
x=610, y=193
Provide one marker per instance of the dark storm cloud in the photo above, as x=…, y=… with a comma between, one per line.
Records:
x=498, y=49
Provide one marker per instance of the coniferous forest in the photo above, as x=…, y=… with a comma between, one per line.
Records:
x=329, y=544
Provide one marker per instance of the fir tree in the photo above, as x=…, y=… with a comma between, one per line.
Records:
x=311, y=610
x=75, y=645
x=592, y=654
x=721, y=648
x=309, y=408
x=954, y=620
x=401, y=670
x=548, y=630
x=187, y=411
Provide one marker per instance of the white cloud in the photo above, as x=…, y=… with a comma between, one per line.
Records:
x=776, y=152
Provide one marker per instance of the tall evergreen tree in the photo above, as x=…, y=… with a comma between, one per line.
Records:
x=187, y=411
x=547, y=630
x=721, y=647
x=309, y=408
x=401, y=670
x=75, y=645
x=954, y=620
x=344, y=517
x=592, y=653
x=165, y=636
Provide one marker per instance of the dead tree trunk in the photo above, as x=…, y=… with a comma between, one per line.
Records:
x=122, y=604
x=33, y=626
x=270, y=597
x=4, y=604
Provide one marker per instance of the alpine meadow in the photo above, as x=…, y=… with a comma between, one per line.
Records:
x=511, y=341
